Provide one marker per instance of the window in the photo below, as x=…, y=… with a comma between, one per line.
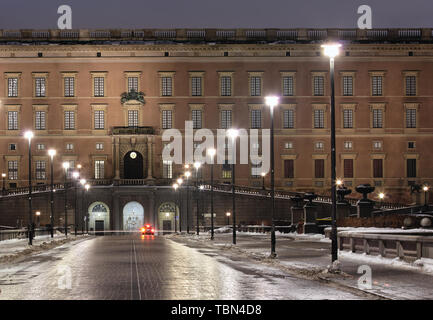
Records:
x=132, y=118
x=12, y=146
x=377, y=145
x=411, y=168
x=377, y=168
x=376, y=85
x=12, y=120
x=289, y=119
x=40, y=87
x=411, y=145
x=319, y=85
x=69, y=86
x=99, y=86
x=99, y=118
x=13, y=170
x=347, y=86
x=319, y=145
x=40, y=170
x=226, y=119
x=40, y=120
x=196, y=86
x=12, y=87
x=319, y=119
x=40, y=146
x=347, y=118
x=410, y=118
x=319, y=168
x=348, y=145
x=348, y=168
x=167, y=169
x=99, y=169
x=99, y=146
x=256, y=119
x=167, y=119
x=289, y=172
x=166, y=86
x=256, y=170
x=69, y=120
x=288, y=86
x=196, y=119
x=71, y=168
x=69, y=146
x=132, y=84
x=288, y=145
x=226, y=86
x=377, y=118
x=256, y=86
x=410, y=85
x=226, y=170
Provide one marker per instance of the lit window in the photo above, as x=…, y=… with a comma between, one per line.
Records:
x=256, y=119
x=288, y=86
x=289, y=119
x=98, y=85
x=132, y=84
x=40, y=170
x=69, y=83
x=69, y=120
x=99, y=146
x=40, y=87
x=347, y=118
x=99, y=169
x=319, y=145
x=167, y=169
x=99, y=119
x=348, y=144
x=40, y=146
x=12, y=120
x=12, y=87
x=376, y=85
x=196, y=86
x=69, y=146
x=347, y=86
x=226, y=119
x=377, y=118
x=319, y=85
x=288, y=145
x=319, y=119
x=40, y=120
x=196, y=119
x=377, y=145
x=411, y=85
x=410, y=118
x=13, y=170
x=256, y=86
x=226, y=86
x=167, y=118
x=133, y=118
x=166, y=86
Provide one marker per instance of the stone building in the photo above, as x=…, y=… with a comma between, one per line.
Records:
x=79, y=91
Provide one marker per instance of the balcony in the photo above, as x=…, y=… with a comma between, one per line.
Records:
x=132, y=130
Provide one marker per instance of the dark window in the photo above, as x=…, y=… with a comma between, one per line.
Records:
x=289, y=171
x=319, y=168
x=377, y=168
x=348, y=168
x=411, y=168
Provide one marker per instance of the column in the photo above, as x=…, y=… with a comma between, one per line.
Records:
x=149, y=158
x=116, y=158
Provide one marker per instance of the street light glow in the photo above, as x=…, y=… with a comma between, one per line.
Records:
x=87, y=186
x=175, y=186
x=331, y=50
x=425, y=188
x=66, y=165
x=272, y=101
x=228, y=214
x=38, y=213
x=187, y=174
x=232, y=133
x=75, y=174
x=339, y=182
x=179, y=181
x=52, y=153
x=197, y=165
x=263, y=174
x=83, y=181
x=187, y=166
x=381, y=196
x=3, y=175
x=211, y=152
x=28, y=135
x=201, y=187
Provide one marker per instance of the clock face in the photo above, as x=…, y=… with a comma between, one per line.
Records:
x=133, y=155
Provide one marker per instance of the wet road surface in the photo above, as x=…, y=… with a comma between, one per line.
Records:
x=141, y=268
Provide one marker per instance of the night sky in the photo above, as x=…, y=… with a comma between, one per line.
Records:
x=40, y=14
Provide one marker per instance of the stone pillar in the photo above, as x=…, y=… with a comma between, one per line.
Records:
x=365, y=206
x=117, y=225
x=297, y=211
x=310, y=214
x=343, y=206
x=150, y=177
x=116, y=158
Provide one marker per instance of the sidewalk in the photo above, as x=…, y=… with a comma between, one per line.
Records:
x=16, y=248
x=309, y=256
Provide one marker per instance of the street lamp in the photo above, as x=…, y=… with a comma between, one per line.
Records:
x=187, y=175
x=76, y=176
x=4, y=183
x=263, y=174
x=272, y=102
x=38, y=215
x=211, y=153
x=29, y=136
x=331, y=51
x=175, y=186
x=425, y=188
x=82, y=216
x=228, y=218
x=179, y=182
x=87, y=187
x=197, y=166
x=66, y=167
x=233, y=133
x=52, y=153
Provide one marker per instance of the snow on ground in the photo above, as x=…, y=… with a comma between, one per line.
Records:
x=382, y=230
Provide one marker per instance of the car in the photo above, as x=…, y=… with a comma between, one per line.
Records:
x=148, y=229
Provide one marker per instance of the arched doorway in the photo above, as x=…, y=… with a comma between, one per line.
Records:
x=133, y=165
x=99, y=217
x=167, y=216
x=133, y=216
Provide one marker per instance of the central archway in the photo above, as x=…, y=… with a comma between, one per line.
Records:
x=99, y=217
x=133, y=216
x=133, y=165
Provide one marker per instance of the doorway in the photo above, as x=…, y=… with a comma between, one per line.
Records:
x=133, y=165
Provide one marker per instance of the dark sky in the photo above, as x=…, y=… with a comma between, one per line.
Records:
x=39, y=14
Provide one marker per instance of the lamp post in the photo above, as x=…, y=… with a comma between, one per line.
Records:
x=233, y=133
x=83, y=183
x=263, y=174
x=66, y=167
x=211, y=153
x=87, y=187
x=187, y=175
x=331, y=51
x=76, y=176
x=197, y=166
x=52, y=153
x=38, y=216
x=228, y=218
x=381, y=197
x=179, y=182
x=29, y=135
x=272, y=102
x=175, y=186
x=425, y=188
x=4, y=183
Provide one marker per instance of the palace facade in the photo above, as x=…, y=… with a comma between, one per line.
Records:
x=103, y=98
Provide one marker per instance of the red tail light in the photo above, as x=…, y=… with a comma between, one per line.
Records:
x=153, y=230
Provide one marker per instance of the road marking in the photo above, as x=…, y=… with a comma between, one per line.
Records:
x=136, y=269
